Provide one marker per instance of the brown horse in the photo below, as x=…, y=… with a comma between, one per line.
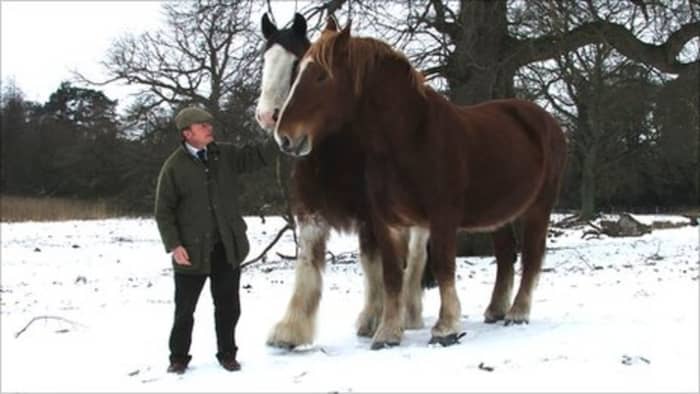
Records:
x=317, y=211
x=429, y=163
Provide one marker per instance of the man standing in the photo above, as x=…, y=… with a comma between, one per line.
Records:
x=196, y=209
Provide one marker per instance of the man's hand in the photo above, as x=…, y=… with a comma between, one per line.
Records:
x=180, y=256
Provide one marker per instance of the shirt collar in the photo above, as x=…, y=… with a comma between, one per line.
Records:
x=193, y=151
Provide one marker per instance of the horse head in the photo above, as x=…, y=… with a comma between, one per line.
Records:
x=321, y=98
x=282, y=51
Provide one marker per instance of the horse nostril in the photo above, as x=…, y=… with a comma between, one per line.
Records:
x=275, y=114
x=286, y=142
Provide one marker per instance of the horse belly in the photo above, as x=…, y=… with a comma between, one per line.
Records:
x=500, y=195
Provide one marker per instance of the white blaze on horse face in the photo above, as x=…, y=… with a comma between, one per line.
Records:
x=278, y=66
x=302, y=68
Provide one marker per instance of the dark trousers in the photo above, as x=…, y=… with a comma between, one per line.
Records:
x=224, y=281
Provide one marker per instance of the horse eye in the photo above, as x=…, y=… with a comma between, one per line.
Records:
x=321, y=76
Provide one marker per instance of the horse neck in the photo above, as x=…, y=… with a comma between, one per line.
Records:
x=391, y=101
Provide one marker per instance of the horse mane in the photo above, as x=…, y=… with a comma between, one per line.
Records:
x=364, y=54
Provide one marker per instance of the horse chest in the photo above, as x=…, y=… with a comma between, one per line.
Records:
x=331, y=188
x=392, y=192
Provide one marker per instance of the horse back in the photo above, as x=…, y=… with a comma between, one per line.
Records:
x=507, y=150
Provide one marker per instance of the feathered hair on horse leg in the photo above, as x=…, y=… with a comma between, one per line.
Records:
x=298, y=325
x=412, y=291
x=369, y=317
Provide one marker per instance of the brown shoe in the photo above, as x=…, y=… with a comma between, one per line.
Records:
x=177, y=367
x=230, y=364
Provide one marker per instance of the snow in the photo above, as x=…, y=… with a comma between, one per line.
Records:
x=609, y=314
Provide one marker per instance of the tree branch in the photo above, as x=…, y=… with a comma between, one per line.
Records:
x=267, y=249
x=440, y=23
x=662, y=56
x=45, y=318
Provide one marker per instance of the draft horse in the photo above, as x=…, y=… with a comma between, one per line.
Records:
x=317, y=214
x=420, y=160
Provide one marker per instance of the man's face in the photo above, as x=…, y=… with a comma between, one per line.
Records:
x=199, y=135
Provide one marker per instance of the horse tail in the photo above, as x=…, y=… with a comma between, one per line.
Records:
x=539, y=137
x=428, y=280
x=553, y=148
x=559, y=153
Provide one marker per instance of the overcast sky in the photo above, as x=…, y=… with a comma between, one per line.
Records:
x=43, y=41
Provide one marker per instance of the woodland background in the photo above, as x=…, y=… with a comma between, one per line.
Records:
x=620, y=75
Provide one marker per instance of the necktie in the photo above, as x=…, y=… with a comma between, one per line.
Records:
x=202, y=155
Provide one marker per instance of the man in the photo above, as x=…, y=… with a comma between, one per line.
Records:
x=199, y=221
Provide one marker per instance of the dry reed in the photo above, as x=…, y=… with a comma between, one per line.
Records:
x=42, y=209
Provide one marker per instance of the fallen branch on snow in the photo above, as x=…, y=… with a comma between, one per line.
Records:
x=46, y=318
x=624, y=226
x=264, y=252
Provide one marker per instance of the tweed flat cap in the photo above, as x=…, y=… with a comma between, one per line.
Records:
x=191, y=115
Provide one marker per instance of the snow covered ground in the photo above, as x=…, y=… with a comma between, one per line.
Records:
x=610, y=314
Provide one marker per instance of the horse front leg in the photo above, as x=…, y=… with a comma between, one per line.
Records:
x=371, y=262
x=298, y=325
x=443, y=241
x=390, y=329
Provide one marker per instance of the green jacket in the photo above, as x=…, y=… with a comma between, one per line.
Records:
x=182, y=206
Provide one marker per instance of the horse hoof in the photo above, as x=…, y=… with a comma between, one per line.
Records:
x=366, y=326
x=365, y=332
x=448, y=340
x=383, y=345
x=281, y=345
x=492, y=319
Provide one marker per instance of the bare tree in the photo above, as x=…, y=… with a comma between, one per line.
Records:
x=605, y=99
x=606, y=102
x=473, y=50
x=476, y=47
x=206, y=51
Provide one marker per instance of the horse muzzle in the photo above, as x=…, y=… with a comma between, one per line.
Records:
x=267, y=119
x=296, y=147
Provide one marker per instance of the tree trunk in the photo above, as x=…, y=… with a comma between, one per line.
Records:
x=697, y=154
x=588, y=185
x=478, y=69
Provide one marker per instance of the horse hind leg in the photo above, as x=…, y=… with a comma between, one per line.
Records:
x=371, y=313
x=412, y=291
x=535, y=223
x=298, y=325
x=442, y=257
x=504, y=247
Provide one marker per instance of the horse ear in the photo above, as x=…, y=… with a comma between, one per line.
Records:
x=346, y=30
x=299, y=25
x=344, y=36
x=268, y=28
x=331, y=23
